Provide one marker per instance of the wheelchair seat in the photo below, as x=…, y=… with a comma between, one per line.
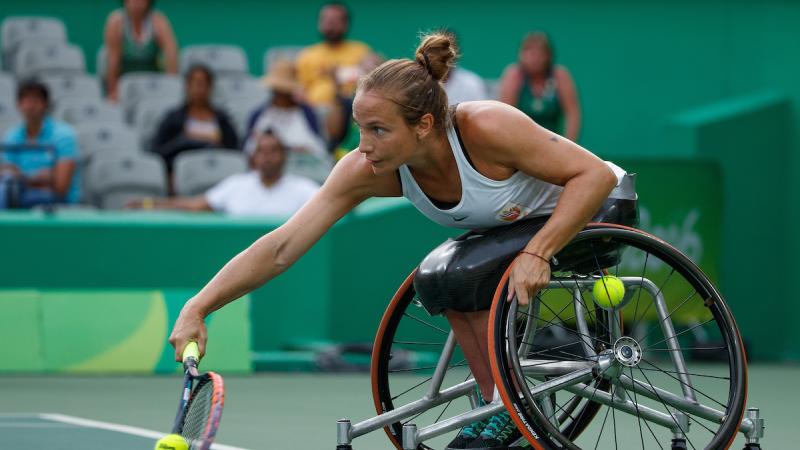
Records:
x=462, y=273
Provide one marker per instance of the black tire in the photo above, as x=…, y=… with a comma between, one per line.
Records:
x=607, y=247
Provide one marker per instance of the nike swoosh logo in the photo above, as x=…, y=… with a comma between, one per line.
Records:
x=459, y=219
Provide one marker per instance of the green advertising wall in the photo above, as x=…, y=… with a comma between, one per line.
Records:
x=110, y=331
x=337, y=291
x=749, y=138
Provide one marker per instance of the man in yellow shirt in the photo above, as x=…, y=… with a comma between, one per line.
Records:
x=331, y=67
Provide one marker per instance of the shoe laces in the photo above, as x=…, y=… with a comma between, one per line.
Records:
x=474, y=429
x=498, y=427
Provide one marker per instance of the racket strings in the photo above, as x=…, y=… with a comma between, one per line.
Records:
x=199, y=410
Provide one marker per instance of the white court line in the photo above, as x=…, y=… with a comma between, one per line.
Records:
x=36, y=425
x=136, y=431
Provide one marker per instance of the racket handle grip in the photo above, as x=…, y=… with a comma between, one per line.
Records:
x=191, y=351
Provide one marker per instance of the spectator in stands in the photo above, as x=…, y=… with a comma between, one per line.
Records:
x=135, y=36
x=542, y=89
x=195, y=124
x=331, y=67
x=266, y=190
x=293, y=121
x=39, y=156
x=463, y=85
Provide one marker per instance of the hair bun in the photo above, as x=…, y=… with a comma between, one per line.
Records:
x=437, y=54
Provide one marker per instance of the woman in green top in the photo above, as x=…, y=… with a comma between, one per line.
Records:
x=134, y=37
x=541, y=89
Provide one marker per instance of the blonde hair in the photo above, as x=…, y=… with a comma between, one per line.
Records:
x=415, y=86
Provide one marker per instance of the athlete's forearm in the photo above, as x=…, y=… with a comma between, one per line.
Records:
x=582, y=197
x=248, y=270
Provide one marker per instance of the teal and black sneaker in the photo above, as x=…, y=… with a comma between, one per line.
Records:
x=499, y=433
x=470, y=432
x=467, y=435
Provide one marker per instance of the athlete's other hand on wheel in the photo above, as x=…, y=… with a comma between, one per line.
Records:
x=529, y=274
x=190, y=326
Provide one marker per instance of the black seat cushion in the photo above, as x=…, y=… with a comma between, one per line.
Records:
x=462, y=273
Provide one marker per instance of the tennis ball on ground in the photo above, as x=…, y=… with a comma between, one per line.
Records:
x=172, y=442
x=608, y=291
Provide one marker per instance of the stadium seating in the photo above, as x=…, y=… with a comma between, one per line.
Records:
x=273, y=54
x=8, y=115
x=8, y=88
x=240, y=110
x=493, y=88
x=113, y=138
x=41, y=59
x=96, y=139
x=221, y=59
x=310, y=166
x=101, y=63
x=115, y=179
x=77, y=110
x=74, y=86
x=138, y=86
x=196, y=171
x=228, y=88
x=149, y=114
x=321, y=112
x=18, y=29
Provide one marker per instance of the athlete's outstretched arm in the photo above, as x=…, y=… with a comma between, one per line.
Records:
x=351, y=182
x=521, y=144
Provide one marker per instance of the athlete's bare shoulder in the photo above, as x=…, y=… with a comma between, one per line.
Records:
x=353, y=176
x=486, y=126
x=485, y=116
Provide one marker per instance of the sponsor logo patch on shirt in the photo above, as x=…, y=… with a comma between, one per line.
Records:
x=512, y=212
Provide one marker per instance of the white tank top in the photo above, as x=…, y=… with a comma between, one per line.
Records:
x=487, y=203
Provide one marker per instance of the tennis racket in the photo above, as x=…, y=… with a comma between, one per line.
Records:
x=200, y=406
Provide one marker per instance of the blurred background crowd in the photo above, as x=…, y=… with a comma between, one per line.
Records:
x=164, y=126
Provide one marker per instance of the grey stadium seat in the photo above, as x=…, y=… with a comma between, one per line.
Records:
x=227, y=88
x=196, y=171
x=16, y=29
x=8, y=88
x=75, y=110
x=221, y=59
x=8, y=116
x=273, y=54
x=149, y=114
x=493, y=88
x=101, y=63
x=239, y=110
x=114, y=180
x=39, y=60
x=310, y=166
x=80, y=86
x=99, y=139
x=137, y=86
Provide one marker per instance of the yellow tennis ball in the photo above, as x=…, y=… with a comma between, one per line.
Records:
x=608, y=291
x=172, y=442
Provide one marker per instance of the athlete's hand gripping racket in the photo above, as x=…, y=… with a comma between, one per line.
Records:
x=199, y=408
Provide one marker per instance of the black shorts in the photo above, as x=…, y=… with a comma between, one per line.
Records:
x=462, y=273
